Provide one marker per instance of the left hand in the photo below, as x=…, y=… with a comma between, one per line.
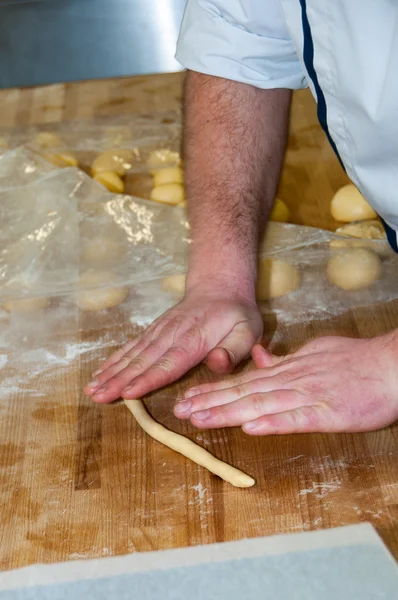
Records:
x=332, y=384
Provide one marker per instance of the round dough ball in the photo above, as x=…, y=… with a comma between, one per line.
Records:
x=3, y=145
x=112, y=181
x=102, y=295
x=170, y=193
x=117, y=161
x=366, y=230
x=62, y=159
x=354, y=269
x=348, y=205
x=163, y=176
x=280, y=212
x=174, y=284
x=100, y=249
x=161, y=158
x=26, y=304
x=47, y=139
x=276, y=278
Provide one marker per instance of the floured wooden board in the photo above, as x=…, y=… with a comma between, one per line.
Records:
x=81, y=481
x=344, y=563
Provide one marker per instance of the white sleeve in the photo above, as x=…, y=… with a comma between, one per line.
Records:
x=242, y=40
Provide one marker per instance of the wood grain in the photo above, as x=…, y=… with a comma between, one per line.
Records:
x=80, y=480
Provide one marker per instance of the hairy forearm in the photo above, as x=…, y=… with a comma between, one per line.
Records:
x=234, y=141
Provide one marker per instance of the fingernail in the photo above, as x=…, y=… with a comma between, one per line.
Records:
x=190, y=393
x=128, y=391
x=202, y=415
x=183, y=408
x=96, y=373
x=100, y=391
x=93, y=384
x=251, y=426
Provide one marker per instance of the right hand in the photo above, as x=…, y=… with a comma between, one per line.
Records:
x=210, y=324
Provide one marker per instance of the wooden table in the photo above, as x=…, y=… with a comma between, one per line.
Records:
x=80, y=481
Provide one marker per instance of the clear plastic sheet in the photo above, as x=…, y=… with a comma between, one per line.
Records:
x=58, y=223
x=142, y=134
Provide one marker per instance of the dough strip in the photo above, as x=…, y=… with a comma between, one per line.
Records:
x=187, y=448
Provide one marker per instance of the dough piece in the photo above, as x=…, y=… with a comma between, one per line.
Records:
x=276, y=278
x=112, y=181
x=348, y=205
x=100, y=249
x=354, y=269
x=26, y=304
x=117, y=161
x=369, y=230
x=187, y=448
x=174, y=284
x=47, y=139
x=280, y=212
x=172, y=175
x=350, y=243
x=163, y=158
x=62, y=159
x=3, y=145
x=170, y=193
x=101, y=297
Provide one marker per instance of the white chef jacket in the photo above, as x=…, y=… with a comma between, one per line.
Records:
x=345, y=50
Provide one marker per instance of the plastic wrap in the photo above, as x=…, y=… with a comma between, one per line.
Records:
x=143, y=134
x=59, y=223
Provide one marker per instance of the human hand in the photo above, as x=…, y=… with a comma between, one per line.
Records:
x=332, y=384
x=211, y=323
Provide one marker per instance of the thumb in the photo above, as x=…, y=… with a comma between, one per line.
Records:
x=263, y=359
x=234, y=348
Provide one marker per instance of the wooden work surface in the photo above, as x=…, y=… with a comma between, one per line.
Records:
x=81, y=481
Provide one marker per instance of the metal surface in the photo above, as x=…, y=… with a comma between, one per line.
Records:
x=47, y=41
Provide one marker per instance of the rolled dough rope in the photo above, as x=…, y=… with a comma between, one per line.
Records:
x=187, y=448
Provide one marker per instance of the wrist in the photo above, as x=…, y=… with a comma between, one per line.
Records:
x=388, y=351
x=223, y=276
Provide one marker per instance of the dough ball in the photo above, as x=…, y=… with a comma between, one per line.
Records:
x=276, y=278
x=112, y=181
x=348, y=205
x=354, y=269
x=26, y=304
x=174, y=284
x=47, y=139
x=170, y=193
x=102, y=295
x=162, y=158
x=3, y=145
x=280, y=212
x=117, y=161
x=368, y=230
x=100, y=249
x=163, y=176
x=62, y=159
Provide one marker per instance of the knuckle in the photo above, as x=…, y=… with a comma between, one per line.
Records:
x=256, y=401
x=240, y=390
x=137, y=364
x=306, y=416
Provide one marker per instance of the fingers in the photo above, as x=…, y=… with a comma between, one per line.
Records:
x=234, y=348
x=185, y=408
x=111, y=382
x=264, y=359
x=304, y=419
x=169, y=367
x=286, y=368
x=246, y=409
x=116, y=356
